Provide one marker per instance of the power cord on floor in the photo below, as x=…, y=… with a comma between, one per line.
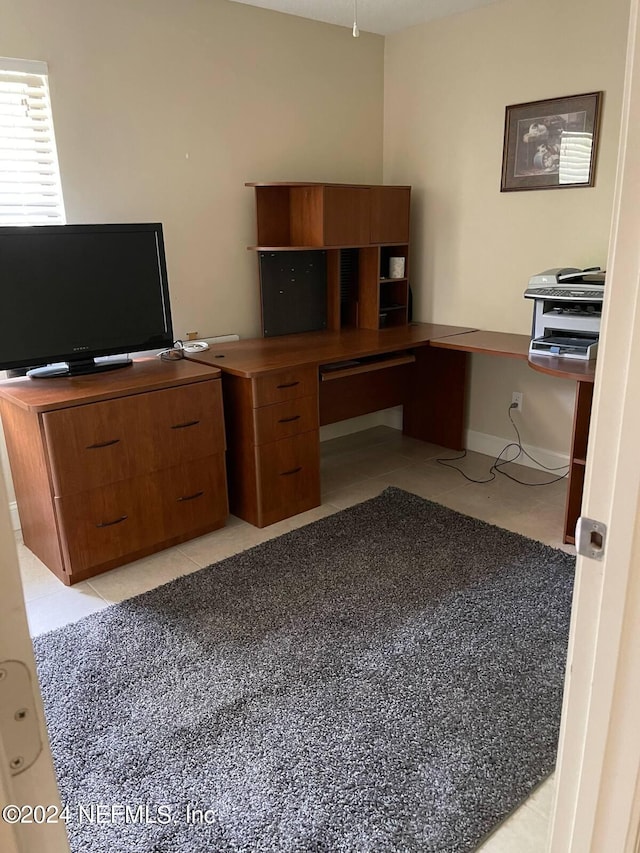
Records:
x=499, y=462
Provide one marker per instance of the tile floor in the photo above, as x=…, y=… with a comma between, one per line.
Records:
x=354, y=468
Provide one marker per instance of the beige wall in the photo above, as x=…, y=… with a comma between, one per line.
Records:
x=249, y=94
x=164, y=108
x=473, y=248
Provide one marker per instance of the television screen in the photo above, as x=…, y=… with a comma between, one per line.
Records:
x=71, y=293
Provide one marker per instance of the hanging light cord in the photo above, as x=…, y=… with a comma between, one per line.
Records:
x=356, y=31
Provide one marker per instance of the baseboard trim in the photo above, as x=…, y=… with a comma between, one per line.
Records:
x=393, y=417
x=492, y=445
x=480, y=442
x=386, y=417
x=15, y=518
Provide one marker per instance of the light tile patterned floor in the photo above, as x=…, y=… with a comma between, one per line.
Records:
x=354, y=468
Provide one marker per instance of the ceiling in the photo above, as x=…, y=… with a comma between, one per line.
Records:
x=374, y=16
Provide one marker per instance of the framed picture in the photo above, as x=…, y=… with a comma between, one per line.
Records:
x=551, y=144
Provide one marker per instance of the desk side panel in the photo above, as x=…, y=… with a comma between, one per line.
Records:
x=579, y=440
x=30, y=472
x=242, y=475
x=435, y=405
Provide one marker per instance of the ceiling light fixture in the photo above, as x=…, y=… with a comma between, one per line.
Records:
x=356, y=31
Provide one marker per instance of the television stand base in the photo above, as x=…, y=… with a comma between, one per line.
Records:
x=77, y=368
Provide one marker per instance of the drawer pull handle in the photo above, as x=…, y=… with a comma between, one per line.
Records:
x=288, y=420
x=289, y=384
x=185, y=424
x=292, y=471
x=191, y=497
x=111, y=523
x=103, y=444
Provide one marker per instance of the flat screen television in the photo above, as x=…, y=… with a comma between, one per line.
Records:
x=72, y=293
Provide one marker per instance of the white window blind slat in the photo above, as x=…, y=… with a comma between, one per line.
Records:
x=30, y=188
x=21, y=145
x=18, y=216
x=23, y=110
x=19, y=191
x=23, y=135
x=22, y=179
x=21, y=106
x=17, y=162
x=22, y=88
x=39, y=211
x=24, y=66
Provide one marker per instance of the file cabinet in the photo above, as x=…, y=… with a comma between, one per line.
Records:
x=108, y=469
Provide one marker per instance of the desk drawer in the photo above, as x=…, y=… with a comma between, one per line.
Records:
x=101, y=443
x=192, y=497
x=297, y=382
x=103, y=524
x=282, y=420
x=288, y=477
x=114, y=521
x=184, y=423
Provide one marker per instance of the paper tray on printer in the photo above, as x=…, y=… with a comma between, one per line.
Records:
x=583, y=347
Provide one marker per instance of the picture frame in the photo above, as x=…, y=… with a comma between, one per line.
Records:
x=551, y=144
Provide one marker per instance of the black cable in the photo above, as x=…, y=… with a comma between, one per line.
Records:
x=499, y=463
x=460, y=471
x=523, y=451
x=173, y=354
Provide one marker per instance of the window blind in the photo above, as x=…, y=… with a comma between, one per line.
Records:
x=30, y=189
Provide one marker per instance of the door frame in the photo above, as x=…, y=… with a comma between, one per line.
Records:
x=597, y=804
x=35, y=785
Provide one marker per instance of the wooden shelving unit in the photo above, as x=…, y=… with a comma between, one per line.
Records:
x=359, y=228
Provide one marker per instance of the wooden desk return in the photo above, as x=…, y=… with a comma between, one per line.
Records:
x=582, y=372
x=279, y=391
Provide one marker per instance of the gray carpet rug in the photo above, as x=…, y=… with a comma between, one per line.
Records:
x=386, y=679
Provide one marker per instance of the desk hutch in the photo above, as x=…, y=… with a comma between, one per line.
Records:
x=358, y=228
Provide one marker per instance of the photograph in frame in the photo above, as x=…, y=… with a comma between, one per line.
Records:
x=551, y=144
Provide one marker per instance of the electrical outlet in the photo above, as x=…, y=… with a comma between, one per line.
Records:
x=516, y=400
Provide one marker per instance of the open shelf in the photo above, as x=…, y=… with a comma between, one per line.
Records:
x=360, y=228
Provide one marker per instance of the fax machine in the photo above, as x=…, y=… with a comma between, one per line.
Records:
x=567, y=311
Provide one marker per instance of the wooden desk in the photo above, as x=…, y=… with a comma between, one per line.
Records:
x=487, y=343
x=255, y=357
x=582, y=372
x=278, y=392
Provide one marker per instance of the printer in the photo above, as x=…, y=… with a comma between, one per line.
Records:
x=566, y=312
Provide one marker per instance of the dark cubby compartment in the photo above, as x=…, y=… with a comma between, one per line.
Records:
x=294, y=292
